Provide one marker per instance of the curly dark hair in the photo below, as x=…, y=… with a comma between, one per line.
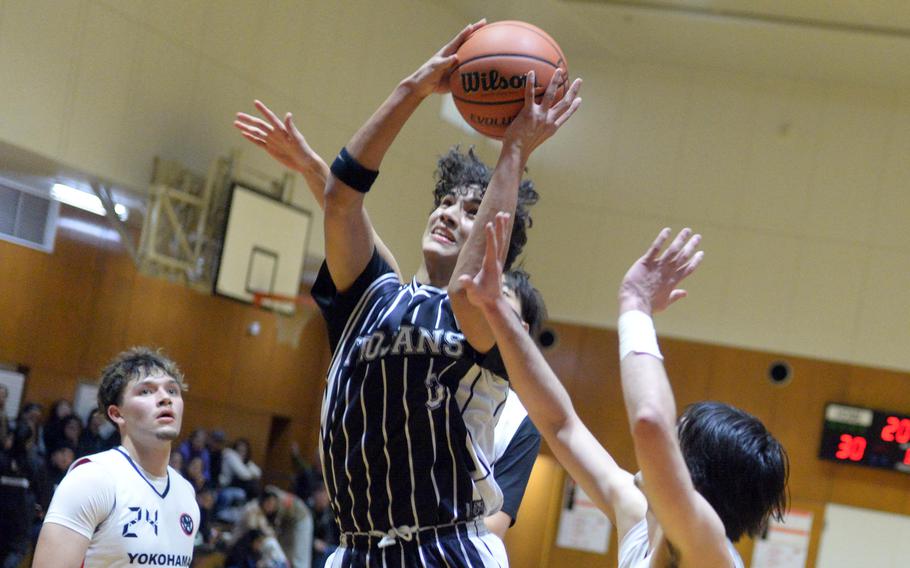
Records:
x=133, y=364
x=736, y=464
x=461, y=170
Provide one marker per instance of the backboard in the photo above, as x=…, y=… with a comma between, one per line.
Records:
x=265, y=242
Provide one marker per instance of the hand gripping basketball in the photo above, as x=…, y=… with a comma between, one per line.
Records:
x=537, y=122
x=433, y=76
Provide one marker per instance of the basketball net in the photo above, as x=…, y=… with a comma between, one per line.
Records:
x=291, y=316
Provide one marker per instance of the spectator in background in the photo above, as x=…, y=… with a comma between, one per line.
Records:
x=176, y=461
x=30, y=419
x=215, y=445
x=238, y=469
x=18, y=480
x=260, y=515
x=70, y=434
x=294, y=528
x=94, y=438
x=195, y=446
x=307, y=476
x=206, y=536
x=53, y=428
x=247, y=552
x=4, y=420
x=195, y=474
x=58, y=462
x=326, y=534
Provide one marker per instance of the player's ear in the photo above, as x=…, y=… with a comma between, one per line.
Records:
x=113, y=412
x=525, y=325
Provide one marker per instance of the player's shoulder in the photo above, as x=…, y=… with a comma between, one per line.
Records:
x=95, y=462
x=90, y=475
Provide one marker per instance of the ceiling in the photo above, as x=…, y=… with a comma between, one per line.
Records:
x=855, y=41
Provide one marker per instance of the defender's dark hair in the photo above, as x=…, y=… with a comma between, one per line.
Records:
x=736, y=465
x=133, y=364
x=533, y=309
x=465, y=170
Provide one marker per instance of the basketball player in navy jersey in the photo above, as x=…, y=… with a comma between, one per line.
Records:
x=412, y=393
x=516, y=440
x=125, y=506
x=705, y=481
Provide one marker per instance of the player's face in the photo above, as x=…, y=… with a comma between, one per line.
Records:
x=514, y=302
x=449, y=225
x=152, y=408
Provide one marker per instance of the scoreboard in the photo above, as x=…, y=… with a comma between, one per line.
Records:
x=867, y=437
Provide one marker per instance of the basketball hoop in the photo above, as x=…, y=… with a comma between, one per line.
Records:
x=291, y=314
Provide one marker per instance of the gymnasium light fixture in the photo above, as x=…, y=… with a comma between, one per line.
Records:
x=86, y=201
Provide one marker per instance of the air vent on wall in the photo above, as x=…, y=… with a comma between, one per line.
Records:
x=28, y=216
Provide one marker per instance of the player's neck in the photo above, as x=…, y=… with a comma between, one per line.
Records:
x=151, y=458
x=436, y=278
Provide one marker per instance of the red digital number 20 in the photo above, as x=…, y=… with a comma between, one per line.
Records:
x=897, y=430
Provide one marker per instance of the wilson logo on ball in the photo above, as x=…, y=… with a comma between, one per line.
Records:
x=479, y=81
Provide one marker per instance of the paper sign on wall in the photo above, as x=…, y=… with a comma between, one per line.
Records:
x=582, y=526
x=786, y=544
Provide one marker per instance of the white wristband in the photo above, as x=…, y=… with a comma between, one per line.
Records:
x=637, y=335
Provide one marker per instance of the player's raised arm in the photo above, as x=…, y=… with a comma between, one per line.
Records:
x=533, y=125
x=546, y=400
x=650, y=285
x=287, y=145
x=348, y=233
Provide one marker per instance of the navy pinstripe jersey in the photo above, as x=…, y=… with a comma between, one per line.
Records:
x=409, y=408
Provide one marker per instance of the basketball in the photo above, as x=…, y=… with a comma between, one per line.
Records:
x=488, y=84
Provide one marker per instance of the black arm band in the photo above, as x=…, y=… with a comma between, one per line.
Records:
x=349, y=171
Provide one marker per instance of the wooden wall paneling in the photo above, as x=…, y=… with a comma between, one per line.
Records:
x=251, y=366
x=797, y=418
x=299, y=374
x=528, y=541
x=22, y=270
x=46, y=385
x=60, y=304
x=565, y=355
x=194, y=329
x=738, y=378
x=689, y=367
x=596, y=393
x=110, y=314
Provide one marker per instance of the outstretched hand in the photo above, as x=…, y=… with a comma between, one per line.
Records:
x=433, y=76
x=650, y=284
x=280, y=138
x=485, y=288
x=537, y=122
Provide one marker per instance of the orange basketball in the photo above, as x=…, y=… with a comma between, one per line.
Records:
x=489, y=83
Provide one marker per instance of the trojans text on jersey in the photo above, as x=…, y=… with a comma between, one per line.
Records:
x=410, y=340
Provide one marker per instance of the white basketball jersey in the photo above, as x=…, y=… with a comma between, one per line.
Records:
x=635, y=550
x=130, y=518
x=510, y=419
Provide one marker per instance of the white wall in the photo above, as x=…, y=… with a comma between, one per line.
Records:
x=800, y=189
x=799, y=186
x=861, y=537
